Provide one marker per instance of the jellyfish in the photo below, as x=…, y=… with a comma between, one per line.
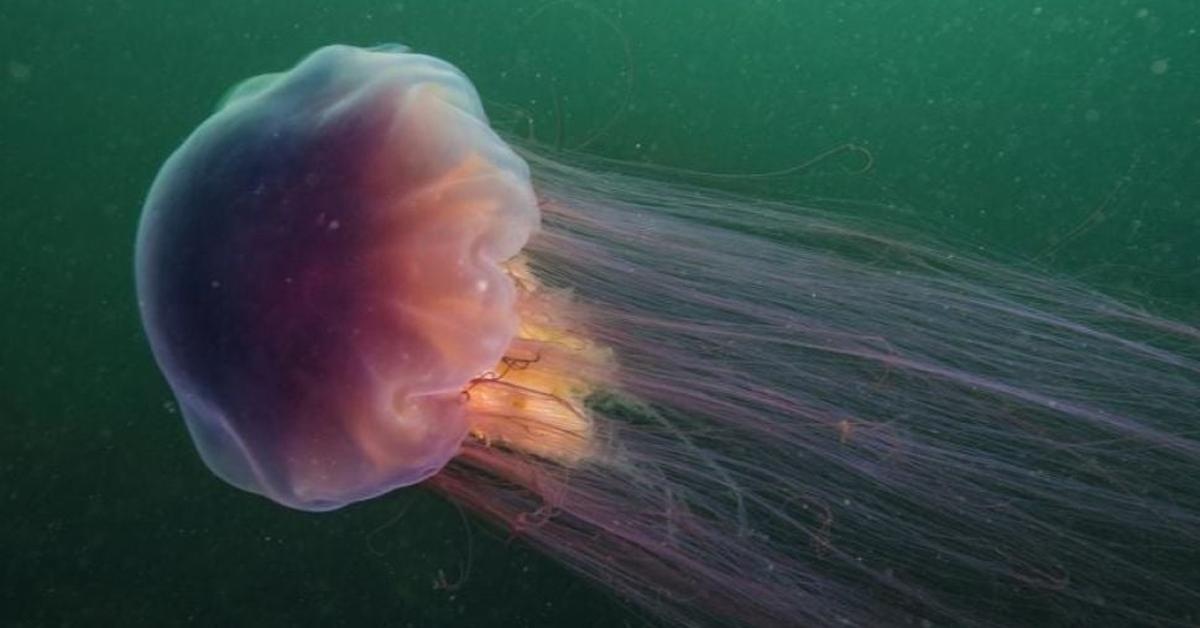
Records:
x=731, y=411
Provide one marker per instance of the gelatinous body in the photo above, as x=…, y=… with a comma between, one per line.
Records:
x=810, y=421
x=319, y=269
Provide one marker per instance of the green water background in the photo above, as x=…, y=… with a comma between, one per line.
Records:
x=1065, y=132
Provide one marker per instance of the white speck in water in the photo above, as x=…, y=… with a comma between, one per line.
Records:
x=333, y=225
x=1160, y=66
x=214, y=283
x=1037, y=10
x=1142, y=13
x=481, y=285
x=1091, y=115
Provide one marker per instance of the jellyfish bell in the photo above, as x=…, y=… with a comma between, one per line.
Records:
x=327, y=265
x=353, y=284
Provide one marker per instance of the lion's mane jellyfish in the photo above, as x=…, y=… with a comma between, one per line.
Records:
x=729, y=410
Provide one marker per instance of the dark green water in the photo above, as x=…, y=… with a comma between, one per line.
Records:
x=1065, y=132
